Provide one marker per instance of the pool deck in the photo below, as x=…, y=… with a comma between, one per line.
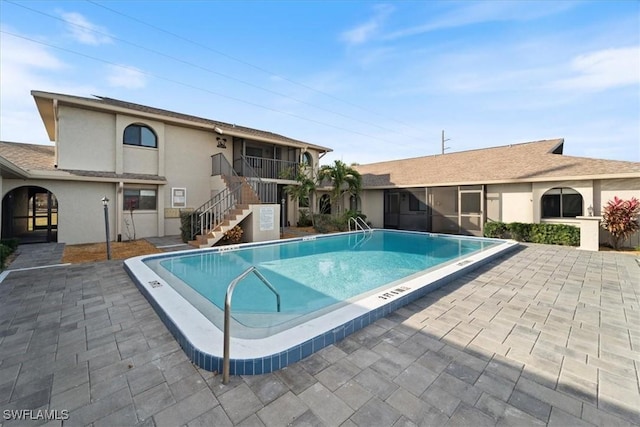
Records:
x=545, y=335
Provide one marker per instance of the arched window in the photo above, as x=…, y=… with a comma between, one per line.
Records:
x=140, y=135
x=562, y=202
x=355, y=204
x=307, y=159
x=325, y=204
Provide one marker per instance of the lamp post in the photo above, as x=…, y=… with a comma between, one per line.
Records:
x=105, y=203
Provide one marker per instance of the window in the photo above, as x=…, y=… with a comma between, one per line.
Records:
x=561, y=203
x=307, y=160
x=139, y=199
x=415, y=204
x=355, y=203
x=140, y=135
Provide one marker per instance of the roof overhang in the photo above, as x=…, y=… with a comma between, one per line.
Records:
x=46, y=103
x=508, y=181
x=10, y=171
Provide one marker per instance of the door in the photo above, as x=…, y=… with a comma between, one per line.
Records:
x=471, y=212
x=391, y=209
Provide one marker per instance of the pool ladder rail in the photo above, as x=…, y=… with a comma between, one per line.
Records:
x=358, y=223
x=226, y=362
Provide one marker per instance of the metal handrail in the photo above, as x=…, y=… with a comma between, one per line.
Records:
x=227, y=315
x=358, y=223
x=211, y=214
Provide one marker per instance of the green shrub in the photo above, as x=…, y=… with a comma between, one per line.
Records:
x=11, y=243
x=185, y=226
x=555, y=234
x=519, y=231
x=5, y=251
x=304, y=219
x=323, y=223
x=548, y=234
x=495, y=229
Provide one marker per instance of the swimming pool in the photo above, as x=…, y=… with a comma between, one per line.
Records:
x=329, y=286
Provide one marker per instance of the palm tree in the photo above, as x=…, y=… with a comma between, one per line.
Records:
x=344, y=180
x=304, y=189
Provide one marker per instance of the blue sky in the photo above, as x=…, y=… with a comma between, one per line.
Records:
x=372, y=80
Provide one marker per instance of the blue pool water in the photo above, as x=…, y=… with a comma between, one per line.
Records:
x=313, y=274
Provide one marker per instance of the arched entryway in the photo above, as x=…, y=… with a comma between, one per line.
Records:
x=30, y=214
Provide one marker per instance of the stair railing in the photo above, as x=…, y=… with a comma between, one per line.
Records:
x=211, y=214
x=267, y=191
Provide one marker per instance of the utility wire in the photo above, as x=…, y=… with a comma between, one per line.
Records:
x=167, y=79
x=249, y=64
x=191, y=64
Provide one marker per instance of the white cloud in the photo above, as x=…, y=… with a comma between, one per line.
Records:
x=602, y=70
x=363, y=32
x=469, y=13
x=126, y=77
x=84, y=31
x=28, y=66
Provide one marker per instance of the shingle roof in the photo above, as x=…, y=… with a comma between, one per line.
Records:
x=29, y=156
x=517, y=162
x=226, y=127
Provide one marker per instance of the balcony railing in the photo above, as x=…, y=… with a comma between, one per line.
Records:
x=272, y=168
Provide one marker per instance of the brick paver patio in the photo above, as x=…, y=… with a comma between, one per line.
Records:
x=547, y=335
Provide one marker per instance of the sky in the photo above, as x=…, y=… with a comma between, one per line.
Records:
x=374, y=81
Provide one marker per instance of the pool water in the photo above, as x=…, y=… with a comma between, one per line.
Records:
x=330, y=287
x=312, y=274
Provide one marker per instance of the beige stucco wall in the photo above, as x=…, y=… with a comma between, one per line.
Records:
x=373, y=207
x=262, y=224
x=85, y=139
x=608, y=189
x=134, y=159
x=188, y=163
x=80, y=210
x=509, y=202
x=142, y=160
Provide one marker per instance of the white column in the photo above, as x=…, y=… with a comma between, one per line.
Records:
x=589, y=233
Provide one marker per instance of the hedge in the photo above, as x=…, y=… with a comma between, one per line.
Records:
x=7, y=247
x=549, y=234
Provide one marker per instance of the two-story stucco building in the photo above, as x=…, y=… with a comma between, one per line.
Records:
x=158, y=162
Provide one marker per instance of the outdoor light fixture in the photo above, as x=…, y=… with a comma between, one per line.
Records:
x=105, y=203
x=222, y=142
x=590, y=210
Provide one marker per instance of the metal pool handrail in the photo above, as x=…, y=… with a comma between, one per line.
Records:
x=227, y=314
x=358, y=222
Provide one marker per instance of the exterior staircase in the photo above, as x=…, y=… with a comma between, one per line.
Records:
x=224, y=211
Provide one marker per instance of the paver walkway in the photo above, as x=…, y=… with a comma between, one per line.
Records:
x=548, y=335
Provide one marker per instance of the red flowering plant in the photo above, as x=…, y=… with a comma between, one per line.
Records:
x=620, y=219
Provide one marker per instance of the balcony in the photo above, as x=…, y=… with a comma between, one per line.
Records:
x=267, y=168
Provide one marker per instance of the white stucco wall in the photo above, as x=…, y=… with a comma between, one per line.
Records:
x=85, y=139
